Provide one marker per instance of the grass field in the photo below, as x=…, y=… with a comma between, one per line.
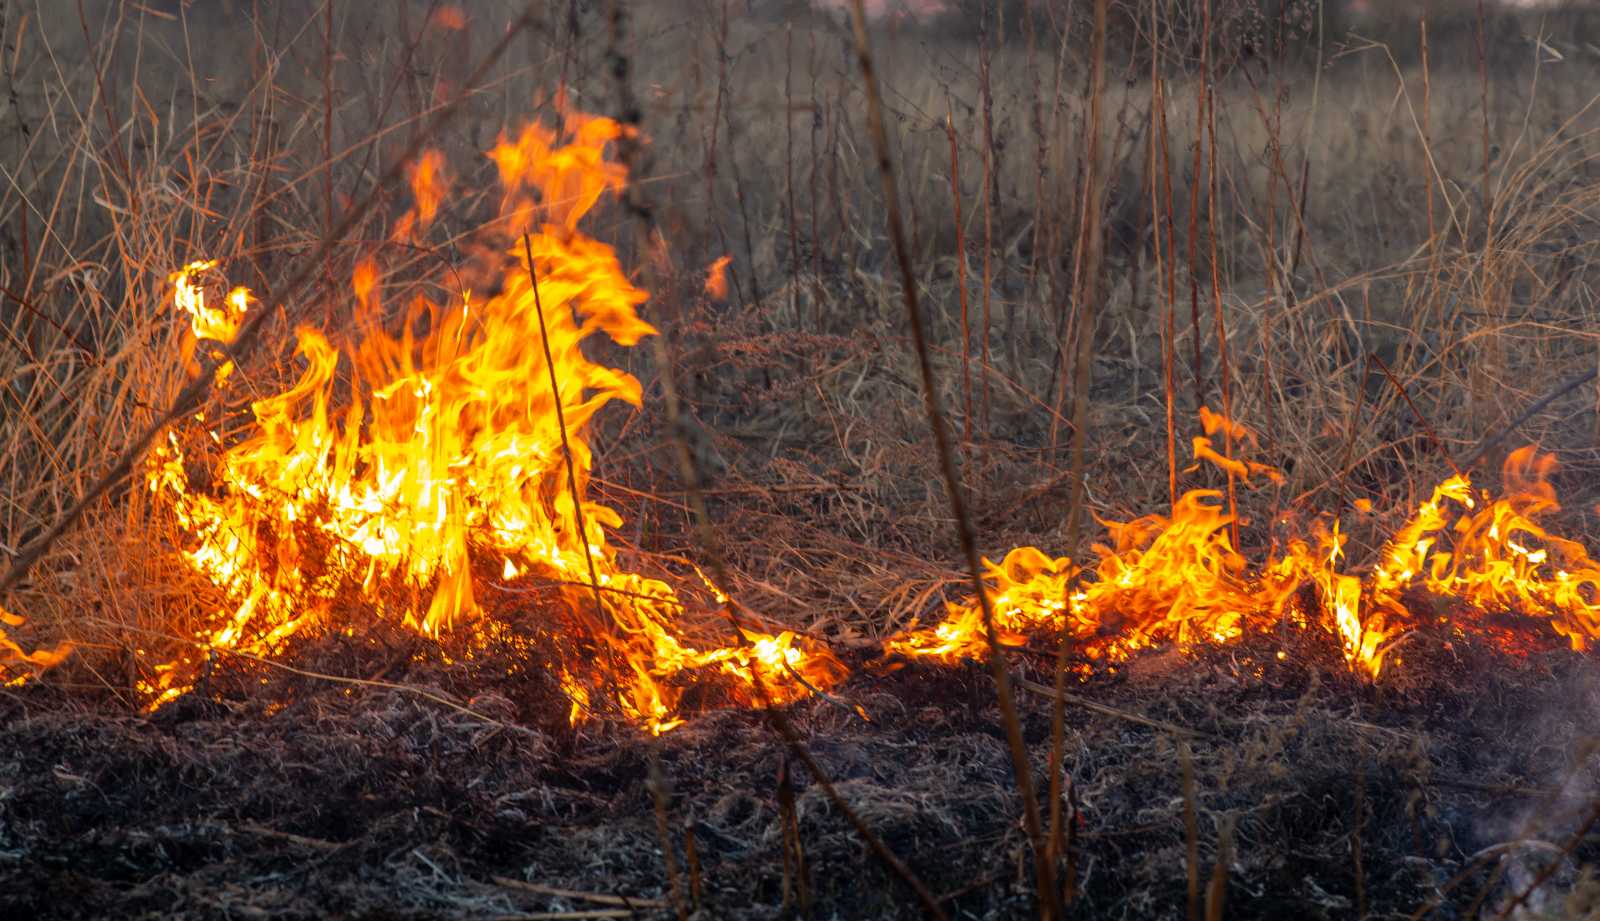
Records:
x=1369, y=238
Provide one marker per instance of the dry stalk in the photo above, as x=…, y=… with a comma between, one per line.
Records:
x=990, y=191
x=1427, y=143
x=598, y=898
x=788, y=174
x=1191, y=832
x=961, y=275
x=1217, y=887
x=1209, y=105
x=327, y=117
x=311, y=267
x=1044, y=872
x=561, y=423
x=1549, y=869
x=1421, y=419
x=1356, y=861
x=1195, y=196
x=1538, y=406
x=1169, y=343
x=691, y=856
x=796, y=879
x=1483, y=109
x=1086, y=297
x=816, y=158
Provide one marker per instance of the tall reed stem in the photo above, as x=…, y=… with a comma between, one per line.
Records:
x=1044, y=872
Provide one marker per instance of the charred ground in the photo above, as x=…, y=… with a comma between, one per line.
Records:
x=306, y=799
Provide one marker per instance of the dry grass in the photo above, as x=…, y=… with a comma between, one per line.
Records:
x=1354, y=215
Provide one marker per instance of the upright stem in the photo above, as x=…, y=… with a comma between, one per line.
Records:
x=1210, y=110
x=1087, y=295
x=561, y=422
x=1043, y=869
x=961, y=277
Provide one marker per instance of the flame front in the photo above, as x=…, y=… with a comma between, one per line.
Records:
x=1179, y=580
x=442, y=448
x=398, y=461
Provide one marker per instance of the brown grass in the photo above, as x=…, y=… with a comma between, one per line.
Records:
x=1387, y=255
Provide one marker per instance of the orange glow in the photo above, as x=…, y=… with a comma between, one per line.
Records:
x=398, y=459
x=449, y=17
x=717, y=279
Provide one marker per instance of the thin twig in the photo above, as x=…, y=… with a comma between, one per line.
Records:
x=599, y=898
x=1421, y=419
x=1538, y=407
x=561, y=423
x=1044, y=872
x=1106, y=710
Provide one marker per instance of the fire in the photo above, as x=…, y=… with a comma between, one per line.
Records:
x=438, y=453
x=403, y=467
x=717, y=279
x=17, y=665
x=1179, y=580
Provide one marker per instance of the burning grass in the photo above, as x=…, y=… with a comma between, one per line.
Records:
x=398, y=595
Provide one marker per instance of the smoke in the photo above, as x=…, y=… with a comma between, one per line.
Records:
x=1533, y=859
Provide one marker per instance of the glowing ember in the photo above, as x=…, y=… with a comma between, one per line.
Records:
x=448, y=450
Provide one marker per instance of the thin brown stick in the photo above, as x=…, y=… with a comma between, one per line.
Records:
x=1483, y=110
x=788, y=174
x=1087, y=296
x=561, y=423
x=691, y=856
x=1421, y=419
x=1107, y=710
x=1191, y=833
x=990, y=191
x=1537, y=407
x=659, y=796
x=961, y=275
x=1225, y=385
x=1427, y=141
x=1550, y=869
x=598, y=898
x=1169, y=358
x=1044, y=872
x=327, y=116
x=1358, y=863
x=1195, y=197
x=583, y=914
x=1217, y=888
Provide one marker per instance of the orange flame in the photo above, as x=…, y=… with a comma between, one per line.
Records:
x=449, y=450
x=16, y=665
x=1179, y=580
x=449, y=17
x=717, y=279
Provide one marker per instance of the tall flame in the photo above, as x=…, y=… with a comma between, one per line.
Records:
x=397, y=460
